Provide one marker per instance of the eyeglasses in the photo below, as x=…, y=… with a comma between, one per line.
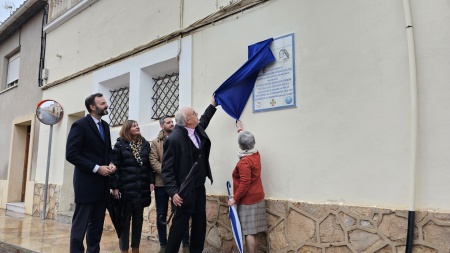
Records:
x=194, y=114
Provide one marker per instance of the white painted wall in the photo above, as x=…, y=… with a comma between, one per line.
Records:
x=433, y=61
x=348, y=140
x=137, y=71
x=198, y=9
x=107, y=29
x=71, y=96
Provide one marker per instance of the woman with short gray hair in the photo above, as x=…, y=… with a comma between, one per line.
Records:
x=248, y=191
x=246, y=140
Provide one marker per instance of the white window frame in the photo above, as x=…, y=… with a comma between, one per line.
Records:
x=140, y=70
x=12, y=74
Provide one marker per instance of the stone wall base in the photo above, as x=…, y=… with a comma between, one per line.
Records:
x=303, y=227
x=53, y=195
x=299, y=227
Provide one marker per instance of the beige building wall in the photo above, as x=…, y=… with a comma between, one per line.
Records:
x=433, y=59
x=348, y=140
x=71, y=97
x=17, y=107
x=337, y=168
x=8, y=97
x=96, y=35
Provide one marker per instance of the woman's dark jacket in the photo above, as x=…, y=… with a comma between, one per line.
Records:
x=130, y=178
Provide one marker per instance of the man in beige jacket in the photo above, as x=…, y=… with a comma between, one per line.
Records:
x=161, y=197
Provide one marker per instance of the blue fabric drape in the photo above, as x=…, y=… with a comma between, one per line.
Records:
x=233, y=94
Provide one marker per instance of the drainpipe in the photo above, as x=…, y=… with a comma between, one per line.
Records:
x=414, y=123
x=43, y=42
x=181, y=27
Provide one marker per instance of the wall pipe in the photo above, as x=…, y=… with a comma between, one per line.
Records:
x=181, y=27
x=414, y=123
x=43, y=44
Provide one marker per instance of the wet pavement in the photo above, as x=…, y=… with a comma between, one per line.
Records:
x=22, y=233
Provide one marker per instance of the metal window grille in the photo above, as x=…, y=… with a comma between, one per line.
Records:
x=166, y=97
x=119, y=106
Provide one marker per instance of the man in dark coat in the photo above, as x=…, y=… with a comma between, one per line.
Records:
x=89, y=149
x=187, y=144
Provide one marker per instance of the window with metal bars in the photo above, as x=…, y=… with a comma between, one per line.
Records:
x=166, y=97
x=119, y=106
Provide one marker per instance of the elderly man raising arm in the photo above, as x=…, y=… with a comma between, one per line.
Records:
x=188, y=143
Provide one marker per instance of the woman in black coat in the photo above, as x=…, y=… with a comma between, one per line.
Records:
x=133, y=180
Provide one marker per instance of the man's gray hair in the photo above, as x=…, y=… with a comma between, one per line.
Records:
x=246, y=140
x=180, y=117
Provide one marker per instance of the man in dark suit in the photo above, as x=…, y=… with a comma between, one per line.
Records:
x=89, y=149
x=187, y=144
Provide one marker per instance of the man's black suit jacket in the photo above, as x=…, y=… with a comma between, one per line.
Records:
x=178, y=158
x=85, y=149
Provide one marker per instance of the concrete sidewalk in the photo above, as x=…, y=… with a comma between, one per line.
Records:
x=33, y=234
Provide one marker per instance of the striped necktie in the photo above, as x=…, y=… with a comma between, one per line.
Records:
x=198, y=140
